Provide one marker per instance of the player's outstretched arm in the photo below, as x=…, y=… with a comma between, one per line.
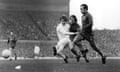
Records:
x=66, y=32
x=69, y=33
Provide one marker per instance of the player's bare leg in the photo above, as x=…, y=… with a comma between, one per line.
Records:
x=84, y=53
x=75, y=53
x=14, y=53
x=10, y=58
x=59, y=53
x=15, y=56
x=92, y=43
x=65, y=58
x=72, y=48
x=77, y=41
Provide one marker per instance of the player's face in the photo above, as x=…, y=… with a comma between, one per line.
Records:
x=83, y=10
x=71, y=20
x=63, y=21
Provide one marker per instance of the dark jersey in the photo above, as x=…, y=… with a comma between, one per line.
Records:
x=87, y=23
x=74, y=28
x=12, y=41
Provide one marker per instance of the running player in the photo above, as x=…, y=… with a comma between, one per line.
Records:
x=87, y=33
x=12, y=44
x=76, y=28
x=63, y=36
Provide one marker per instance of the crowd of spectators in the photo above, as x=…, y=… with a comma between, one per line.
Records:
x=29, y=25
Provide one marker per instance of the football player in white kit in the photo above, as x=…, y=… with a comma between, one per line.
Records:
x=63, y=34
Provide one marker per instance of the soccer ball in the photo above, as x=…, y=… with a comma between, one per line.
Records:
x=6, y=53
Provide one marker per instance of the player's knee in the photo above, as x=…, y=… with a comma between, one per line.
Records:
x=59, y=50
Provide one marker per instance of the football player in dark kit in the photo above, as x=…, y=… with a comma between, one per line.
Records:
x=76, y=28
x=12, y=44
x=87, y=33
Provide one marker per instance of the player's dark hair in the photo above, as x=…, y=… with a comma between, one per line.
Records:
x=85, y=6
x=75, y=18
x=64, y=18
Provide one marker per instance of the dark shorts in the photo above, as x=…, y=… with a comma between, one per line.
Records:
x=81, y=36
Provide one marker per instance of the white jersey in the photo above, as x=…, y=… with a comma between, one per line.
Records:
x=63, y=31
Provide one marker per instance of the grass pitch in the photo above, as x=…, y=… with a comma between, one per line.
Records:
x=58, y=65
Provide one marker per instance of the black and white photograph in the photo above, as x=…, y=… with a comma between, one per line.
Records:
x=59, y=35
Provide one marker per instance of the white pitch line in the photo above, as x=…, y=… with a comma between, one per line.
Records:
x=39, y=58
x=53, y=58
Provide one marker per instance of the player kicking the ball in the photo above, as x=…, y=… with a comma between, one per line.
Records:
x=63, y=36
x=86, y=33
x=12, y=44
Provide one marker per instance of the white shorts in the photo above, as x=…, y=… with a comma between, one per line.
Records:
x=63, y=43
